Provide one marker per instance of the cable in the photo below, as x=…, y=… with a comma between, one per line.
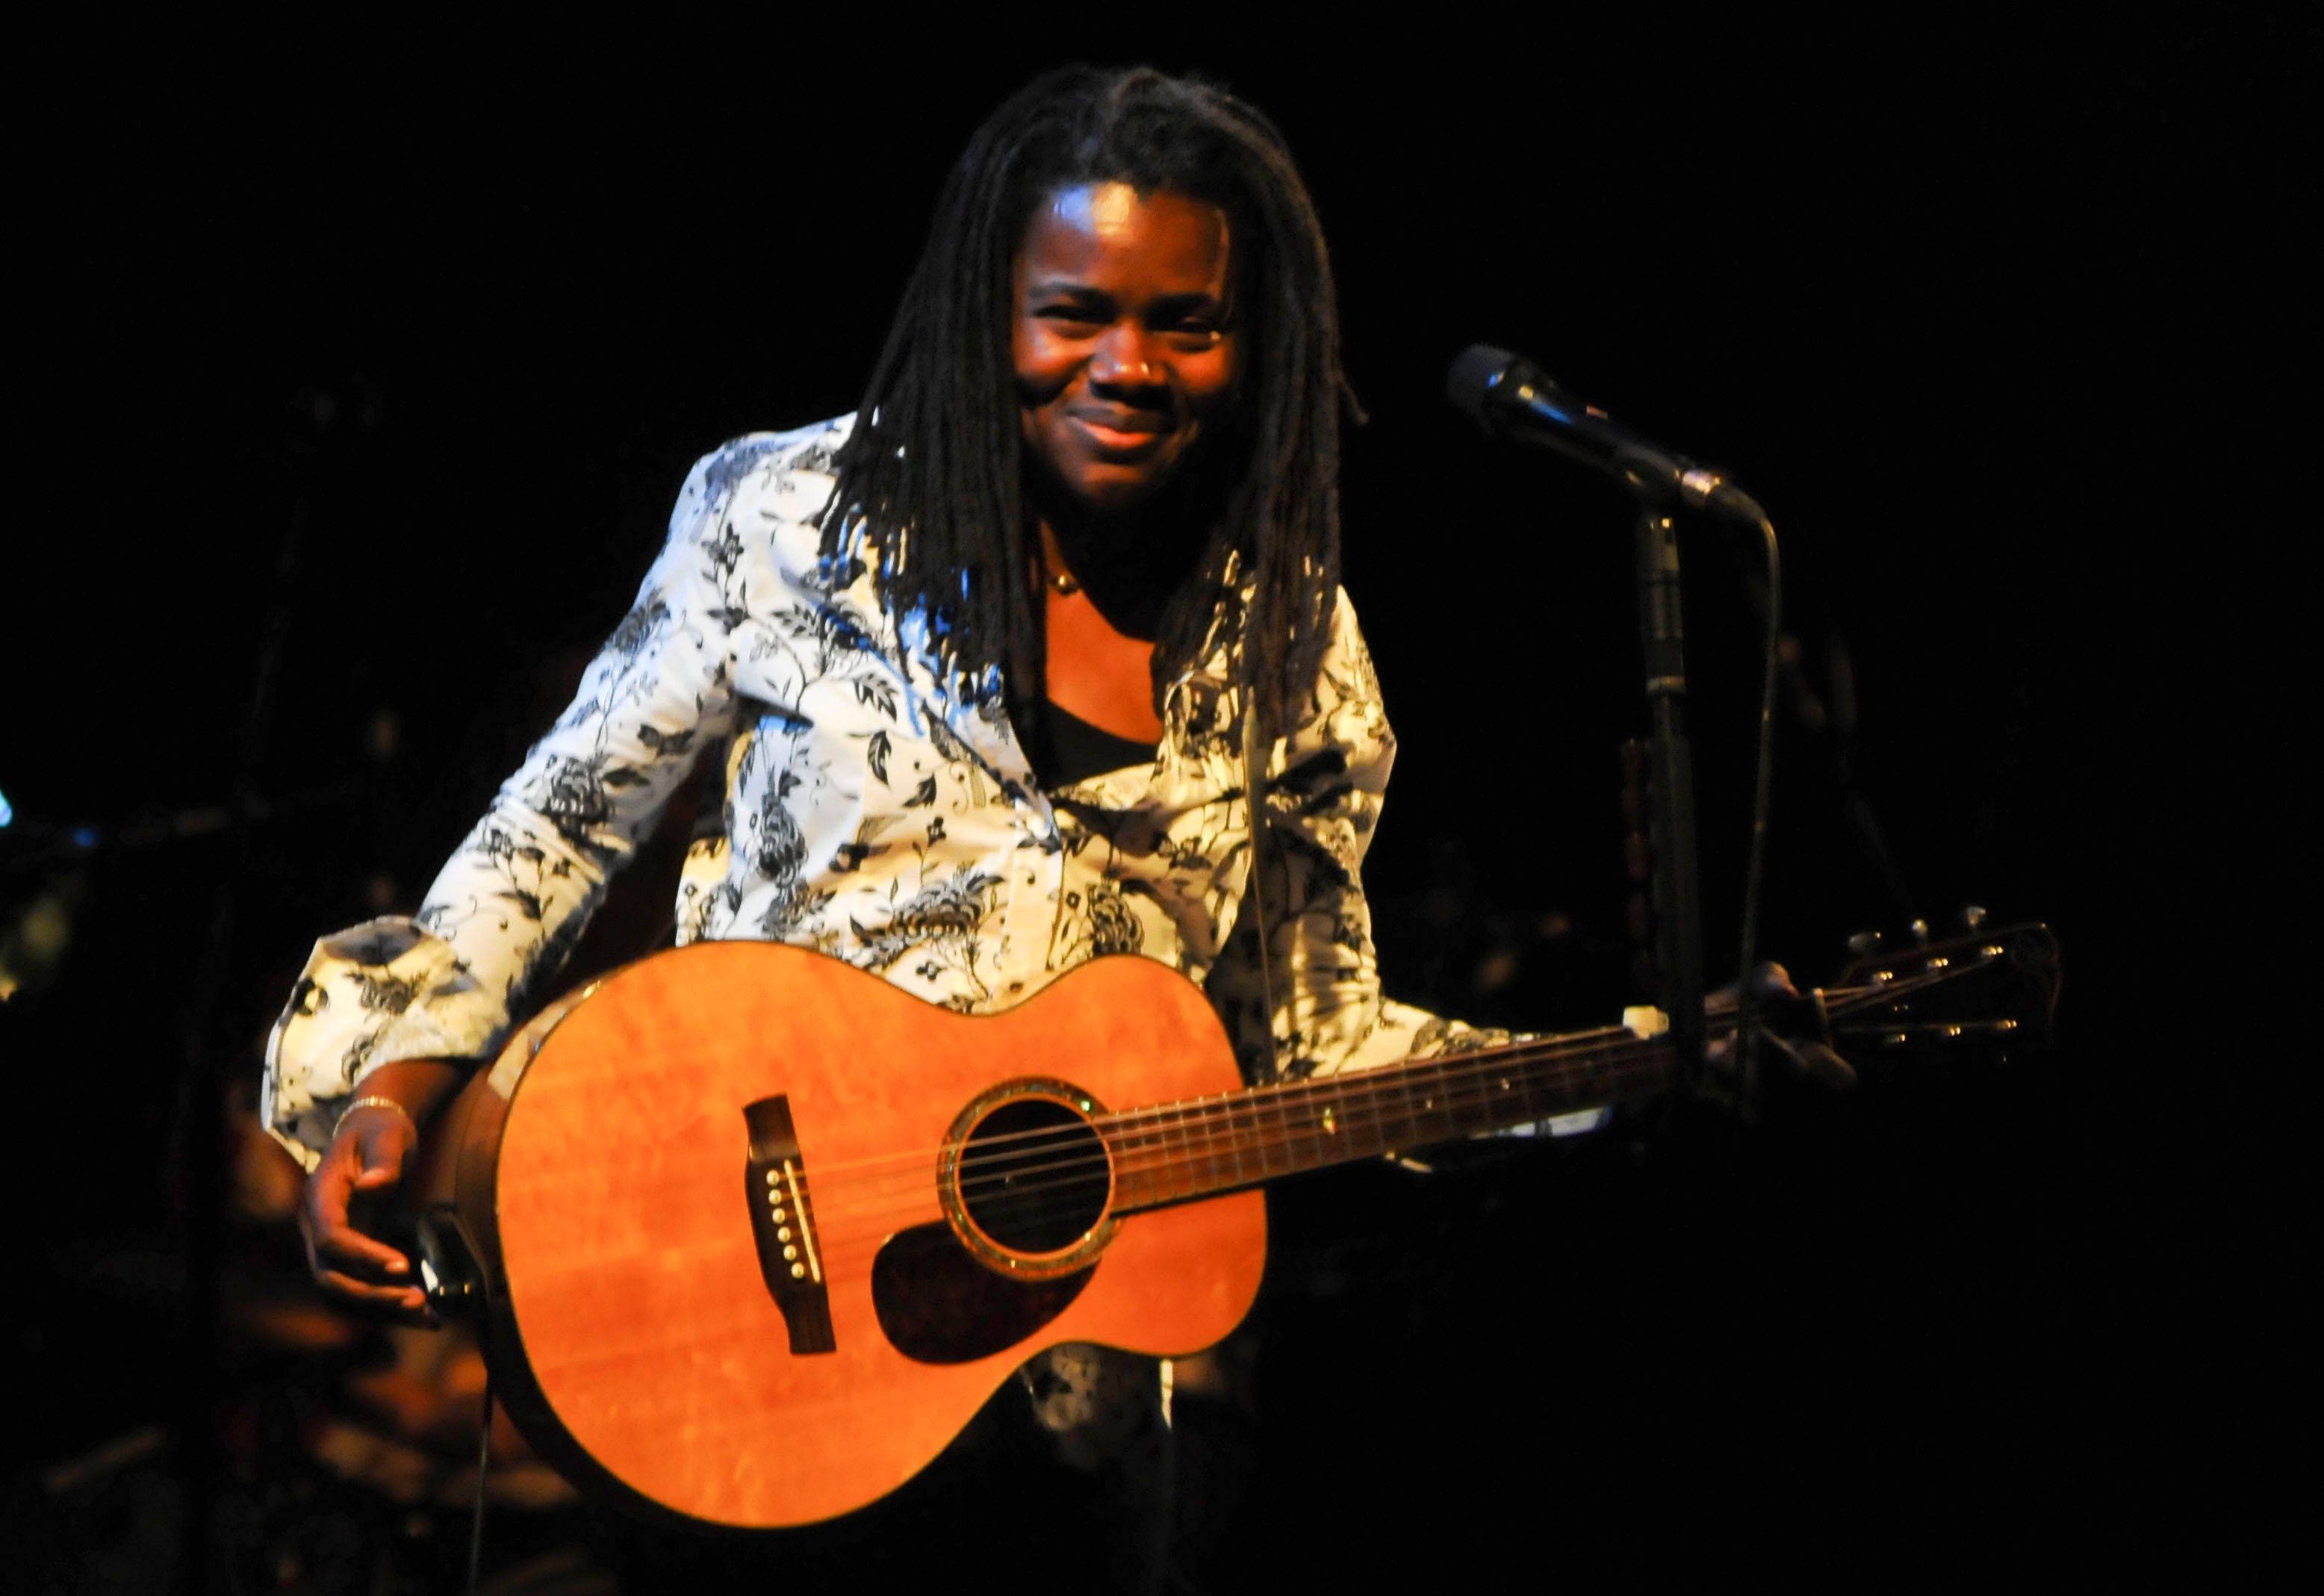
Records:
x=1755, y=870
x=484, y=1462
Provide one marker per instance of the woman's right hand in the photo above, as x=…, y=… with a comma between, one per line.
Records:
x=365, y=1160
x=366, y=1155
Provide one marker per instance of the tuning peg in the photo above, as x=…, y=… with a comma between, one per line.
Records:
x=1920, y=930
x=1973, y=918
x=1864, y=944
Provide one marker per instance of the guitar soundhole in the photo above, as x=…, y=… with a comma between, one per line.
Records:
x=1034, y=1175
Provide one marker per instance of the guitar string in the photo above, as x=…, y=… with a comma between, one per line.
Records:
x=1217, y=1150
x=1225, y=1133
x=1245, y=1129
x=1264, y=1124
x=1454, y=1080
x=1188, y=1118
x=849, y=1202
x=854, y=1234
x=856, y=1237
x=1216, y=1139
x=1225, y=1129
x=1519, y=1053
x=1173, y=1117
x=1239, y=1126
x=1838, y=1000
x=847, y=1219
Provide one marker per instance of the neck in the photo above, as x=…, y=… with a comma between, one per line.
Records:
x=1178, y=1152
x=1130, y=563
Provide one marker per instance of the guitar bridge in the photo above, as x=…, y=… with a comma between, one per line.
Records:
x=783, y=1225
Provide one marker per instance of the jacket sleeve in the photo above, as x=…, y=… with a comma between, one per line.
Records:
x=517, y=893
x=1316, y=1008
x=1328, y=1013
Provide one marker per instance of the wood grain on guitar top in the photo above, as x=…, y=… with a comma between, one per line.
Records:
x=629, y=1282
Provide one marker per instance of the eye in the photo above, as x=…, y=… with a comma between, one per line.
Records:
x=1193, y=323
x=1069, y=316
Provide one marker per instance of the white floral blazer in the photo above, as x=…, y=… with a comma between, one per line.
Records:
x=880, y=810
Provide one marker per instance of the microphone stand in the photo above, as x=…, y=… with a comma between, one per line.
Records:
x=1677, y=892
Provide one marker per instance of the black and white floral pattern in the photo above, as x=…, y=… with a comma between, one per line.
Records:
x=879, y=809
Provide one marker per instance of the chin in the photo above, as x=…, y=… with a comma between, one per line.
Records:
x=1112, y=491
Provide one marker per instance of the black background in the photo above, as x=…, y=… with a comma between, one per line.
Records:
x=394, y=352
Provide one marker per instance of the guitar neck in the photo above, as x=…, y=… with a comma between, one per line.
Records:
x=1177, y=1152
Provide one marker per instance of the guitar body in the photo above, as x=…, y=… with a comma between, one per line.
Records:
x=633, y=1174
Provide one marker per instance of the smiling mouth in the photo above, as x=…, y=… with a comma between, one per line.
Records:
x=1139, y=437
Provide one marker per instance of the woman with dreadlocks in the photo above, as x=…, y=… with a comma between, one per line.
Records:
x=991, y=667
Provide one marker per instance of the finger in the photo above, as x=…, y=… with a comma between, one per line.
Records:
x=407, y=1299
x=323, y=1205
x=345, y=1245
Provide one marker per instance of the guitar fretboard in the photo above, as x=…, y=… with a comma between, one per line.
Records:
x=1175, y=1152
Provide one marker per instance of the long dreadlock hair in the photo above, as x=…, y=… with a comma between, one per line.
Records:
x=932, y=467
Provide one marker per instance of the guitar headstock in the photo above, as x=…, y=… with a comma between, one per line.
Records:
x=1990, y=991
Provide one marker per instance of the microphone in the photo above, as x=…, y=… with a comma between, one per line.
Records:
x=1510, y=397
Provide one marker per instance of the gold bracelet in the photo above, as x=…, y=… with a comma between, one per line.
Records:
x=376, y=1102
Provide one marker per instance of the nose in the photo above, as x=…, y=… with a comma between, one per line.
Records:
x=1121, y=359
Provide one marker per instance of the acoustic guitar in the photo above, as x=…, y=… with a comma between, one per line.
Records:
x=754, y=1234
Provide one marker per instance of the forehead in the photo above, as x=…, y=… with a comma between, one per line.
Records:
x=1107, y=234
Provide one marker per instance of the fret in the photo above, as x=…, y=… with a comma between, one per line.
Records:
x=1328, y=1132
x=1282, y=1131
x=1231, y=1140
x=1179, y=1159
x=1194, y=1145
x=1250, y=1133
x=1423, y=1100
x=1437, y=1120
x=1277, y=1125
x=1133, y=1170
x=1254, y=1123
x=1134, y=1180
x=1219, y=1143
x=1293, y=1132
x=1535, y=1091
x=1521, y=1093
x=1243, y=1152
x=1542, y=1084
x=1503, y=1089
x=1167, y=1151
x=1207, y=1144
x=1400, y=1134
x=1374, y=1137
x=1160, y=1134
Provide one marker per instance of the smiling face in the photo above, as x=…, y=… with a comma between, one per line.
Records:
x=1126, y=349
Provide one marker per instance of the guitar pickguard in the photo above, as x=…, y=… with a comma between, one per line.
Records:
x=937, y=1304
